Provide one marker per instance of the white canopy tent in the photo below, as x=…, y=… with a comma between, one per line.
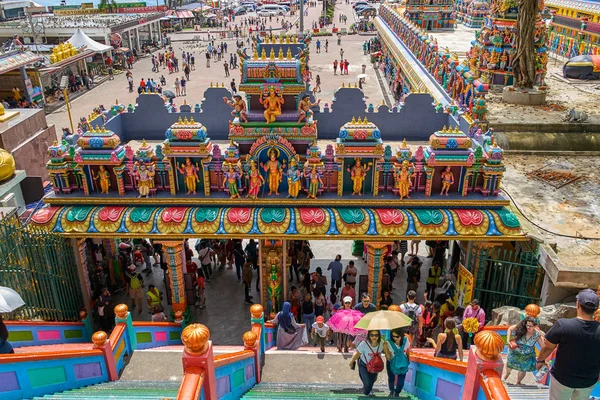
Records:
x=80, y=39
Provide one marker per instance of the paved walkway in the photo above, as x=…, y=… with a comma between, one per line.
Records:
x=320, y=64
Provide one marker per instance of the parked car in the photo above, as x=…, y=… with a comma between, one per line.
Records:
x=359, y=3
x=240, y=11
x=266, y=13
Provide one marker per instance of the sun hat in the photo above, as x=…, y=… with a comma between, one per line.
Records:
x=347, y=299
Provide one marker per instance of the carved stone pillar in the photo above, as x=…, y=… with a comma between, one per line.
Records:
x=375, y=262
x=271, y=275
x=175, y=257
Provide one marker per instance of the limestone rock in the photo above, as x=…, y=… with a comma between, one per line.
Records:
x=505, y=315
x=508, y=315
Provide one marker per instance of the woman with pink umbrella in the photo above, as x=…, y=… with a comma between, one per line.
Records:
x=342, y=322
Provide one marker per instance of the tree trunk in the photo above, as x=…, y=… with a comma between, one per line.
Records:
x=524, y=59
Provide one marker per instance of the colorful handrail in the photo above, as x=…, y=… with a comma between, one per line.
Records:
x=492, y=385
x=192, y=383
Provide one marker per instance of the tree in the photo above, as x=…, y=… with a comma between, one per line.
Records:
x=524, y=59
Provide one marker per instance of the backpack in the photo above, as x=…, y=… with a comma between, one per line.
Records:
x=399, y=363
x=134, y=281
x=376, y=364
x=411, y=312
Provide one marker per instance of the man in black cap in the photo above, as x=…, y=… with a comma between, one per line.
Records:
x=577, y=365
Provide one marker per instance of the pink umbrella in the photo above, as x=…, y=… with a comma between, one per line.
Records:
x=343, y=321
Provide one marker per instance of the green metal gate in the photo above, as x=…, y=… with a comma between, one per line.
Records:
x=41, y=267
x=507, y=278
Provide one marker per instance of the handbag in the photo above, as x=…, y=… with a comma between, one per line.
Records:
x=399, y=363
x=374, y=365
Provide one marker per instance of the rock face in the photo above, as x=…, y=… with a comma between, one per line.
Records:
x=507, y=315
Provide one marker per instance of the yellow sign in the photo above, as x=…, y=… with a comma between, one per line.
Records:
x=464, y=287
x=77, y=12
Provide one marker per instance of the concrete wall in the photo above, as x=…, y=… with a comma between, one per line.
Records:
x=415, y=121
x=27, y=137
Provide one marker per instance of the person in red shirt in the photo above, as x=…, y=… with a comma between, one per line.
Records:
x=190, y=266
x=346, y=63
x=143, y=85
x=335, y=65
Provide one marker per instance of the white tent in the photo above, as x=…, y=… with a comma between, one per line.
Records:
x=80, y=39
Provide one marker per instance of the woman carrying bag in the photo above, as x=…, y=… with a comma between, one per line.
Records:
x=397, y=363
x=370, y=363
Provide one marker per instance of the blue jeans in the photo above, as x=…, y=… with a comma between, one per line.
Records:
x=368, y=379
x=392, y=379
x=309, y=319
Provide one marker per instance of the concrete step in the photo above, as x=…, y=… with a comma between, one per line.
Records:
x=527, y=392
x=151, y=390
x=309, y=391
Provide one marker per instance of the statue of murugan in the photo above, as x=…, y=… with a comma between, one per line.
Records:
x=274, y=171
x=447, y=180
x=272, y=104
x=294, y=181
x=358, y=173
x=403, y=177
x=190, y=173
x=144, y=177
x=104, y=177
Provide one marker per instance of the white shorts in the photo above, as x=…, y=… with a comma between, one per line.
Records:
x=558, y=391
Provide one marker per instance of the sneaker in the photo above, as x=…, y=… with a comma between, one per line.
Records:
x=391, y=394
x=248, y=302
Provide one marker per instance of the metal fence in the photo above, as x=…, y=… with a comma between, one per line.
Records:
x=41, y=267
x=508, y=278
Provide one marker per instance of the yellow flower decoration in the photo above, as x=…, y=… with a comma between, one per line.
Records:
x=471, y=325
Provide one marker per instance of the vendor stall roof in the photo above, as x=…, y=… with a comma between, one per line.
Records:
x=13, y=60
x=80, y=39
x=496, y=224
x=183, y=14
x=68, y=61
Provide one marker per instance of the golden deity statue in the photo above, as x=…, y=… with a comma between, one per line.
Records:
x=272, y=105
x=358, y=173
x=447, y=180
x=403, y=178
x=274, y=170
x=104, y=178
x=294, y=178
x=144, y=177
x=256, y=181
x=190, y=172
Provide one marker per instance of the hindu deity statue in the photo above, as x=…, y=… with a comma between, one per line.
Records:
x=230, y=181
x=144, y=177
x=256, y=181
x=104, y=177
x=239, y=108
x=294, y=181
x=274, y=282
x=447, y=180
x=403, y=178
x=272, y=105
x=358, y=172
x=314, y=179
x=274, y=170
x=304, y=109
x=190, y=172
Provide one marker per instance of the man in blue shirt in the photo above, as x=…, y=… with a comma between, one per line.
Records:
x=336, y=272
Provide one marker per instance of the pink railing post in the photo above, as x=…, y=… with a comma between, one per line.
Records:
x=198, y=352
x=484, y=355
x=101, y=342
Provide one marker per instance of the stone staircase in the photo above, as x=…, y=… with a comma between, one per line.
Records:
x=321, y=391
x=122, y=389
x=527, y=392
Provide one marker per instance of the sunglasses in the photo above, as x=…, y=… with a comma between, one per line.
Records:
x=374, y=335
x=395, y=337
